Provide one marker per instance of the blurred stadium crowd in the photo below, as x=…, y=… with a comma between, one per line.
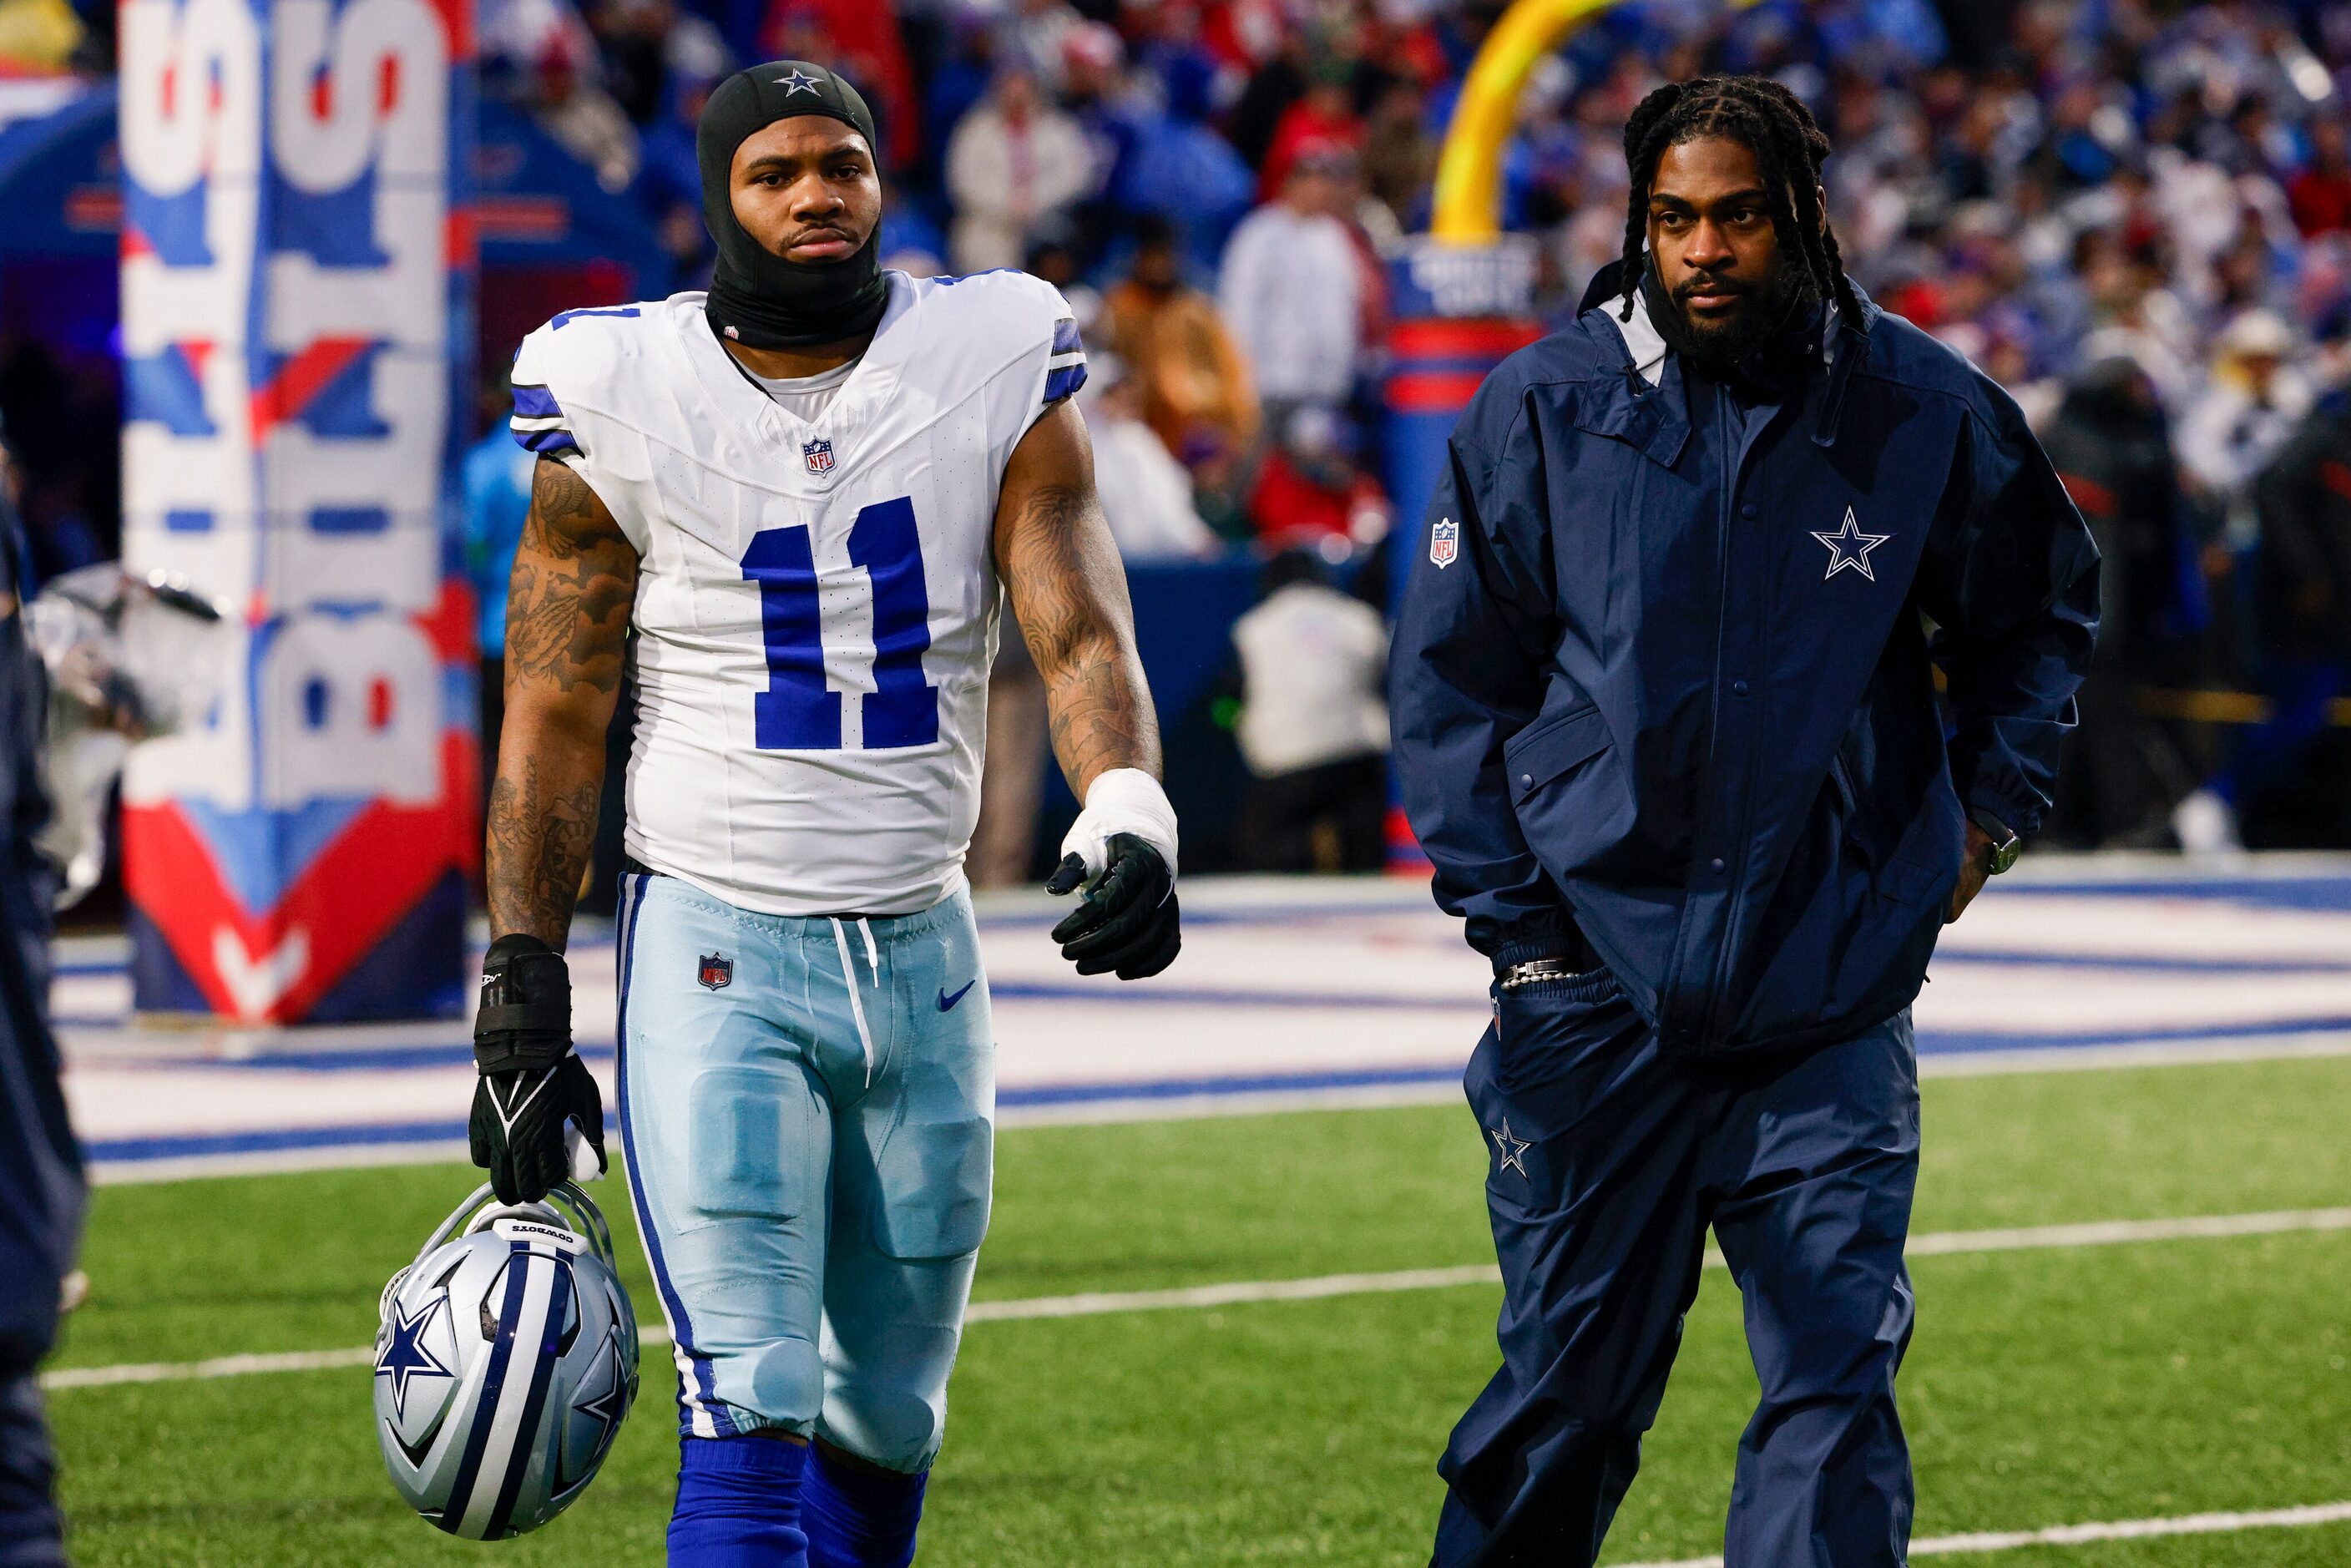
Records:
x=2135, y=216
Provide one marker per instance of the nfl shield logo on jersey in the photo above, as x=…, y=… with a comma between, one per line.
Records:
x=717, y=969
x=819, y=457
x=1443, y=541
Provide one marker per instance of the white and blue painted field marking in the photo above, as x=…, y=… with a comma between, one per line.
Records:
x=1289, y=993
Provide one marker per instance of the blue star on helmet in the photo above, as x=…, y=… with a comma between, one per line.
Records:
x=404, y=1355
x=798, y=81
x=1849, y=547
x=609, y=1403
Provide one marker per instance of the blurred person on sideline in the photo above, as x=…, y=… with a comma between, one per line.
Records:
x=1314, y=724
x=1310, y=488
x=1014, y=162
x=2304, y=598
x=1193, y=379
x=41, y=1180
x=99, y=661
x=1145, y=494
x=1292, y=291
x=2127, y=784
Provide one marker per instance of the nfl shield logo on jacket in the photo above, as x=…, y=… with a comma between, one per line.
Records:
x=819, y=457
x=1444, y=541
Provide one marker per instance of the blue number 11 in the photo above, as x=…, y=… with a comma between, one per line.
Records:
x=797, y=712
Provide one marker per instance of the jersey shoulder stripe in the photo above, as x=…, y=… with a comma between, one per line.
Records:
x=570, y=359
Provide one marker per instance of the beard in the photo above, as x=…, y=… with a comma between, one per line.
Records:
x=1724, y=349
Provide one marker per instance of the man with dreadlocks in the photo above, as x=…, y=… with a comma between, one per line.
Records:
x=1666, y=723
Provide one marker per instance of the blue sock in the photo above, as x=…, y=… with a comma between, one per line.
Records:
x=738, y=1504
x=859, y=1518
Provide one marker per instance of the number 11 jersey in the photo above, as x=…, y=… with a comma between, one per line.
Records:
x=817, y=602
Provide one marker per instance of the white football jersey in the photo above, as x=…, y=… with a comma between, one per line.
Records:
x=816, y=607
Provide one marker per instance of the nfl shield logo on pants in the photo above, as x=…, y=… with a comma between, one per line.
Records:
x=717, y=970
x=1444, y=541
x=819, y=457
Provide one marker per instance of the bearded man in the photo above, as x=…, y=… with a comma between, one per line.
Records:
x=1667, y=722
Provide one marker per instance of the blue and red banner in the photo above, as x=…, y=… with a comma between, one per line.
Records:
x=297, y=316
x=1459, y=310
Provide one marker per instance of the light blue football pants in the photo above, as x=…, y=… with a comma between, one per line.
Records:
x=807, y=1108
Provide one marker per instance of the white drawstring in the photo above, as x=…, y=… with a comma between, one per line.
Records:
x=849, y=978
x=873, y=958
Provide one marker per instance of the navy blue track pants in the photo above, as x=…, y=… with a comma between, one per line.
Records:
x=1607, y=1160
x=40, y=1226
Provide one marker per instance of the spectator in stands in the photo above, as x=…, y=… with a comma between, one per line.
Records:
x=1399, y=154
x=1146, y=495
x=2321, y=193
x=1292, y=291
x=1015, y=163
x=1194, y=380
x=1309, y=491
x=861, y=39
x=1313, y=725
x=1324, y=118
x=2253, y=399
x=1180, y=173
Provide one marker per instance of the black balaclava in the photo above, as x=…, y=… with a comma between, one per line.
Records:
x=757, y=297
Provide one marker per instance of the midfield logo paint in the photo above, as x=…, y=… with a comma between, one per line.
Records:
x=293, y=271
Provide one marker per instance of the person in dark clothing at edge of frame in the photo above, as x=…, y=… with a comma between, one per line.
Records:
x=41, y=1183
x=1666, y=723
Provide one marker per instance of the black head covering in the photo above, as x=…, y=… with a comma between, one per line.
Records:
x=757, y=297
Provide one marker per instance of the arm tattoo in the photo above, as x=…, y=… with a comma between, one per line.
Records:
x=1072, y=602
x=574, y=580
x=539, y=842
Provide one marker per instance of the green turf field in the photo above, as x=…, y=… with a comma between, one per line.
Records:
x=2045, y=1388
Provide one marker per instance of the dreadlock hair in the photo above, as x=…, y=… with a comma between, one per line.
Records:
x=1771, y=123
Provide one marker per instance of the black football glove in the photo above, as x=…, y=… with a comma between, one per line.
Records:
x=1127, y=922
x=533, y=1090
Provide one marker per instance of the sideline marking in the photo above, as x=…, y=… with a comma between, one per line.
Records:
x=2082, y=1534
x=1235, y=1293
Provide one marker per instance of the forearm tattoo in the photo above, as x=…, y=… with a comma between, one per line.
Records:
x=540, y=838
x=1072, y=602
x=568, y=603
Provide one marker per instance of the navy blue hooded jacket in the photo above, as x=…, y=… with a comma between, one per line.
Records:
x=1663, y=675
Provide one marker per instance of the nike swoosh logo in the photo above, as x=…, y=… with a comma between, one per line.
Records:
x=947, y=1003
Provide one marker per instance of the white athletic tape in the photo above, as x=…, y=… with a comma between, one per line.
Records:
x=2084, y=1534
x=1238, y=1293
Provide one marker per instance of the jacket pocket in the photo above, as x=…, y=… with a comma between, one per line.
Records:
x=1550, y=747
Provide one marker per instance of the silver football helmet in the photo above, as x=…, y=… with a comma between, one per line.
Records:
x=507, y=1359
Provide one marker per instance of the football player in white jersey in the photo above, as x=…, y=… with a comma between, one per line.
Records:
x=787, y=506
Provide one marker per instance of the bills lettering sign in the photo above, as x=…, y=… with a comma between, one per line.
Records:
x=295, y=312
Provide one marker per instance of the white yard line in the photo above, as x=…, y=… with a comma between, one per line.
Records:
x=1236, y=1292
x=2082, y=1534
